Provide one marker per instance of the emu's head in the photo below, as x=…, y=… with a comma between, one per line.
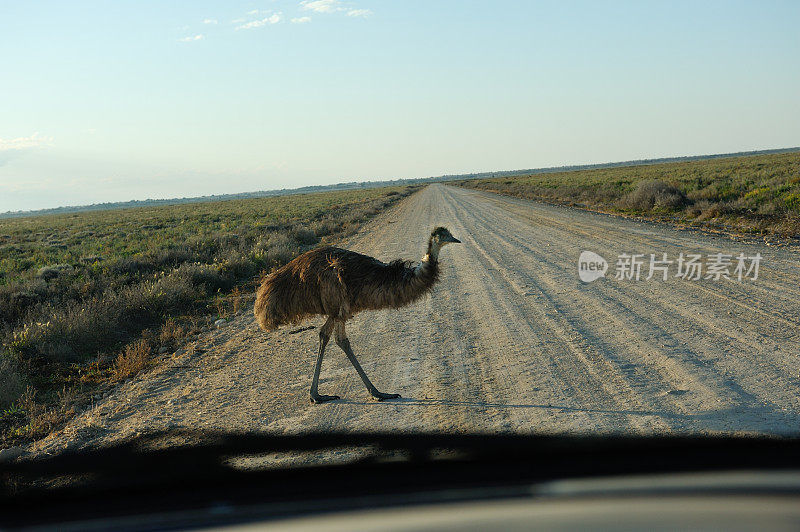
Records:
x=439, y=237
x=442, y=236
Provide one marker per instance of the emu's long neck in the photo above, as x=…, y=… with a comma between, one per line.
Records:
x=427, y=271
x=432, y=256
x=411, y=287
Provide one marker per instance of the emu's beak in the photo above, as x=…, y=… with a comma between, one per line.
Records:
x=454, y=240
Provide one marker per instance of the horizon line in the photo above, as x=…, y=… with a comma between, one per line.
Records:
x=373, y=184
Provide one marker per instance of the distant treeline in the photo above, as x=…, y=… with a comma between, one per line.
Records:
x=373, y=184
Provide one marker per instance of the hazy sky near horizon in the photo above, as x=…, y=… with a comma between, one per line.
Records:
x=112, y=101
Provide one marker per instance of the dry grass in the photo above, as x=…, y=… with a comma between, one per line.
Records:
x=133, y=359
x=40, y=417
x=236, y=300
x=11, y=386
x=172, y=334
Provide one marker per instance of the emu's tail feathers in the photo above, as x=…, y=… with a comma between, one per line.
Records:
x=288, y=295
x=264, y=308
x=270, y=307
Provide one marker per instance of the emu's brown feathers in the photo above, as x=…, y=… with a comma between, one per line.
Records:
x=338, y=283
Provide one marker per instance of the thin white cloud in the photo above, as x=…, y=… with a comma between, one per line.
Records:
x=301, y=20
x=359, y=13
x=238, y=20
x=192, y=38
x=333, y=6
x=272, y=19
x=24, y=143
x=322, y=6
x=210, y=21
x=13, y=148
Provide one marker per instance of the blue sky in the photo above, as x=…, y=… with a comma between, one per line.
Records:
x=110, y=101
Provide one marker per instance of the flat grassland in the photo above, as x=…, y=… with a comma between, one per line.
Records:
x=752, y=194
x=87, y=299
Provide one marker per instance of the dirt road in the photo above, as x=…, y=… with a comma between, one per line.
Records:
x=511, y=340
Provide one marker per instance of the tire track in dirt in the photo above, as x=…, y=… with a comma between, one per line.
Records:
x=577, y=340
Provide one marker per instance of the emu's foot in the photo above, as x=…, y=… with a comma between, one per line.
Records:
x=380, y=396
x=317, y=399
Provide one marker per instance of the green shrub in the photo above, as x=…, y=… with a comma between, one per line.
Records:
x=792, y=202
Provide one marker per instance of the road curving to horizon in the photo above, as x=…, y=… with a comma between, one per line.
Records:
x=510, y=341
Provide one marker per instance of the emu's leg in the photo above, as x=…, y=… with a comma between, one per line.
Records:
x=324, y=336
x=343, y=342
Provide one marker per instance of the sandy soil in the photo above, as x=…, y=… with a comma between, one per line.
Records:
x=510, y=341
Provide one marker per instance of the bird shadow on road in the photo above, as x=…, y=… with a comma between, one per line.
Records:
x=410, y=401
x=747, y=415
x=740, y=417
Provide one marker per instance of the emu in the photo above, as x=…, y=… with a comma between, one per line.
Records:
x=338, y=283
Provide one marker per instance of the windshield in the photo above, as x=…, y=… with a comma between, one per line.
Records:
x=327, y=216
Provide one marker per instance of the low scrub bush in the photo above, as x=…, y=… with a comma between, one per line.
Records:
x=654, y=194
x=172, y=334
x=51, y=272
x=304, y=235
x=133, y=359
